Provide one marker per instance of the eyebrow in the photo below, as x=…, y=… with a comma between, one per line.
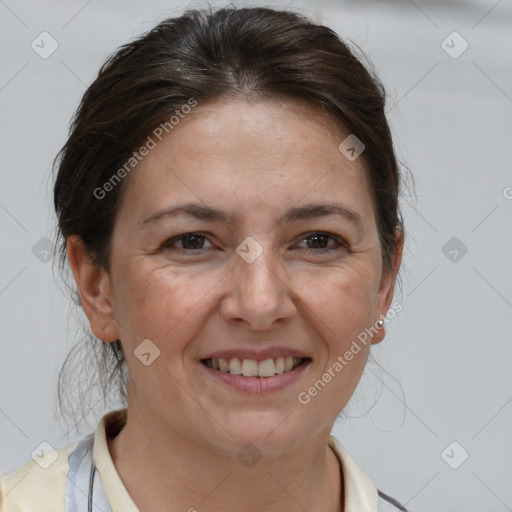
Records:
x=307, y=211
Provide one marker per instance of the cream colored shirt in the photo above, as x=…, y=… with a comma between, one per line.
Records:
x=44, y=484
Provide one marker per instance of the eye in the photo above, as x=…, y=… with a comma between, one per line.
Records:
x=194, y=242
x=190, y=242
x=320, y=238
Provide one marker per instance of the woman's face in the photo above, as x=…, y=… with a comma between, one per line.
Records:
x=249, y=282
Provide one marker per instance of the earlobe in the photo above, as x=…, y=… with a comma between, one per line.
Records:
x=387, y=287
x=93, y=284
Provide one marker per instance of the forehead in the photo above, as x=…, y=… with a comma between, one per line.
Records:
x=264, y=153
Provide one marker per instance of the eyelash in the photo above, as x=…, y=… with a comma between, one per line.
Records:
x=340, y=243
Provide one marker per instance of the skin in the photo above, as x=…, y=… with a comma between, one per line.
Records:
x=253, y=159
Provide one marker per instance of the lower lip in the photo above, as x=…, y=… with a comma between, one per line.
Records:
x=258, y=385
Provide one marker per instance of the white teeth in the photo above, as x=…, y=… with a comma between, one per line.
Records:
x=266, y=368
x=249, y=368
x=235, y=366
x=253, y=368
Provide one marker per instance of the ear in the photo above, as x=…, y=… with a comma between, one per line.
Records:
x=93, y=284
x=387, y=286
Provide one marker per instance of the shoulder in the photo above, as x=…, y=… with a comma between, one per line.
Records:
x=39, y=485
x=360, y=491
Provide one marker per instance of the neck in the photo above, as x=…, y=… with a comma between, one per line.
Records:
x=181, y=473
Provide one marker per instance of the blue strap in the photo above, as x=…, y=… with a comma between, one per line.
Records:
x=84, y=490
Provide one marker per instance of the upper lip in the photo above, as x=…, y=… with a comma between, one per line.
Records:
x=258, y=354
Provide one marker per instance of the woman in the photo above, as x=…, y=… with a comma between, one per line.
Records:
x=228, y=203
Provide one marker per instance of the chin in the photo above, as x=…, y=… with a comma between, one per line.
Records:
x=271, y=433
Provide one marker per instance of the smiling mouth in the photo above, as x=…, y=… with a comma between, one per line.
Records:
x=253, y=368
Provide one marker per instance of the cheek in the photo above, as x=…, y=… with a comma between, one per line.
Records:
x=343, y=307
x=342, y=298
x=164, y=304
x=340, y=309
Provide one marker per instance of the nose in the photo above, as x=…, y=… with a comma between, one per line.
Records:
x=260, y=292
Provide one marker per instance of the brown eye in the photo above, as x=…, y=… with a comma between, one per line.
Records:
x=189, y=242
x=317, y=242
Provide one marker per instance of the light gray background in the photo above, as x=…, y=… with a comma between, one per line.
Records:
x=448, y=353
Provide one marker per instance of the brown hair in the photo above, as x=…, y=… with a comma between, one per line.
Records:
x=207, y=55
